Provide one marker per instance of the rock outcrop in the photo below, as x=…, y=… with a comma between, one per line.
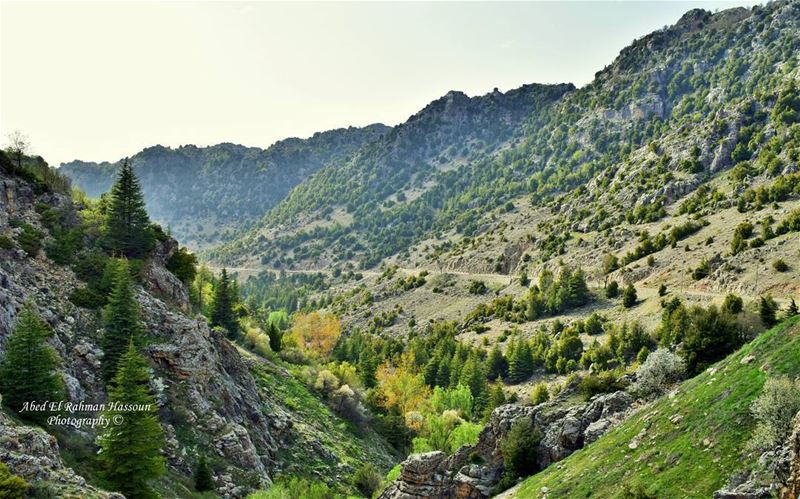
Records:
x=33, y=454
x=435, y=475
x=792, y=488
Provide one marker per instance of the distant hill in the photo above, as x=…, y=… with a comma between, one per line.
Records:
x=201, y=192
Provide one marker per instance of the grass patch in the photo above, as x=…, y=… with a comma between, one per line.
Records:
x=686, y=444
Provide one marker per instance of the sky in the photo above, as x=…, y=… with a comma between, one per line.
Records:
x=100, y=81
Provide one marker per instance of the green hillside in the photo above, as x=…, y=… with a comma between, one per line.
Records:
x=689, y=442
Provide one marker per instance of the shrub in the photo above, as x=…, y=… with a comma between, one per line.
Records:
x=6, y=243
x=540, y=394
x=780, y=265
x=87, y=298
x=367, y=479
x=702, y=270
x=662, y=290
x=733, y=304
x=661, y=370
x=604, y=382
x=767, y=310
x=477, y=287
x=12, y=486
x=629, y=296
x=612, y=289
x=30, y=239
x=183, y=264
x=296, y=488
x=774, y=411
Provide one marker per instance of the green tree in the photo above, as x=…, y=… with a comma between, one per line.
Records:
x=120, y=321
x=275, y=337
x=612, y=289
x=28, y=369
x=183, y=264
x=131, y=450
x=767, y=310
x=222, y=313
x=203, y=479
x=497, y=365
x=127, y=226
x=629, y=296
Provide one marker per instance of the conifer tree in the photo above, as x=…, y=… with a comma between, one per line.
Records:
x=497, y=365
x=120, y=321
x=792, y=310
x=767, y=309
x=131, y=447
x=629, y=296
x=222, y=314
x=127, y=227
x=368, y=365
x=28, y=369
x=203, y=480
x=274, y=337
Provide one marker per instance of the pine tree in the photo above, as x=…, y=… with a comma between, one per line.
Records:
x=222, y=314
x=629, y=296
x=274, y=337
x=131, y=449
x=203, y=479
x=28, y=370
x=120, y=321
x=368, y=366
x=792, y=310
x=127, y=228
x=498, y=367
x=767, y=309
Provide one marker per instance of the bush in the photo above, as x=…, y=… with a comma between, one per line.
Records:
x=87, y=298
x=12, y=486
x=367, y=479
x=774, y=411
x=30, y=240
x=767, y=310
x=612, y=289
x=6, y=243
x=604, y=382
x=661, y=370
x=733, y=304
x=540, y=394
x=780, y=265
x=477, y=287
x=662, y=290
x=629, y=296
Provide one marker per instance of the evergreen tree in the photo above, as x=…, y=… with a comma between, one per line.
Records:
x=222, y=313
x=28, y=370
x=131, y=450
x=473, y=376
x=495, y=399
x=629, y=296
x=274, y=337
x=120, y=321
x=767, y=310
x=792, y=310
x=368, y=365
x=498, y=367
x=127, y=227
x=203, y=480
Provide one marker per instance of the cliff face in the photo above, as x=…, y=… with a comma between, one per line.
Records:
x=209, y=401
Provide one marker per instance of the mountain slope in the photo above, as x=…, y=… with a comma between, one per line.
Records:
x=201, y=192
x=363, y=200
x=685, y=445
x=663, y=118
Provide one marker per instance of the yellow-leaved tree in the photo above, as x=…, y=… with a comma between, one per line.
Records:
x=401, y=388
x=316, y=333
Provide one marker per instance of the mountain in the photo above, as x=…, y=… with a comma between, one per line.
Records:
x=676, y=109
x=200, y=193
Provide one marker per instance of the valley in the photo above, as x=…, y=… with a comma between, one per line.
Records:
x=549, y=292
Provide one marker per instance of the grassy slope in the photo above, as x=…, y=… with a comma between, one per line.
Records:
x=690, y=458
x=314, y=421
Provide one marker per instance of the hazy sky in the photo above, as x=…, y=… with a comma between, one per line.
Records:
x=97, y=81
